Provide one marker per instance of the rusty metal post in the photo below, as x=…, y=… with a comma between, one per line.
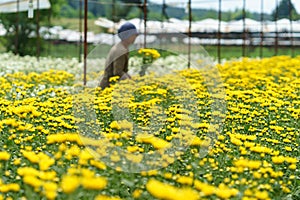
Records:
x=262, y=28
x=17, y=29
x=163, y=13
x=291, y=29
x=80, y=30
x=49, y=25
x=38, y=44
x=276, y=29
x=113, y=13
x=85, y=40
x=189, y=32
x=163, y=17
x=145, y=23
x=219, y=31
x=244, y=29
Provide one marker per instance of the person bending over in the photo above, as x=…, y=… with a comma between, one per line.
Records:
x=116, y=63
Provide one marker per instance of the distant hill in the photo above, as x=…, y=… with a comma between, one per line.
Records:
x=103, y=8
x=198, y=13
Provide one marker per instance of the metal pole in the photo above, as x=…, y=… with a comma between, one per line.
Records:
x=145, y=23
x=38, y=45
x=162, y=21
x=190, y=32
x=262, y=28
x=113, y=11
x=17, y=29
x=49, y=25
x=163, y=13
x=219, y=31
x=276, y=29
x=85, y=40
x=244, y=29
x=291, y=28
x=80, y=30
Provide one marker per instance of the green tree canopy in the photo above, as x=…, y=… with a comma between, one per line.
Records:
x=22, y=31
x=285, y=9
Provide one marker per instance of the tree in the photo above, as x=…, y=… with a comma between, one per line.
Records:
x=238, y=14
x=21, y=31
x=122, y=11
x=284, y=9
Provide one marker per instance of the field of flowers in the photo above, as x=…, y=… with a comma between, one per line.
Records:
x=50, y=147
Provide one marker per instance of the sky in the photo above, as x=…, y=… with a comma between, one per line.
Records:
x=251, y=5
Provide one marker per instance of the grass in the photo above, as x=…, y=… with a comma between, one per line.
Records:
x=67, y=50
x=63, y=50
x=228, y=52
x=73, y=24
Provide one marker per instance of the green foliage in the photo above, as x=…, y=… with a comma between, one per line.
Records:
x=118, y=12
x=70, y=9
x=135, y=13
x=239, y=14
x=55, y=9
x=21, y=31
x=284, y=9
x=18, y=38
x=68, y=12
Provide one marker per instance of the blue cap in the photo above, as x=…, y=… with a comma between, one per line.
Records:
x=127, y=30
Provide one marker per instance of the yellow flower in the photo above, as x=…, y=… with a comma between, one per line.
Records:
x=98, y=164
x=149, y=55
x=137, y=193
x=152, y=172
x=87, y=173
x=132, y=149
x=4, y=155
x=262, y=195
x=278, y=159
x=204, y=187
x=168, y=175
x=185, y=180
x=245, y=163
x=17, y=161
x=136, y=158
x=115, y=125
x=224, y=192
x=50, y=190
x=114, y=79
x=291, y=160
x=288, y=148
x=4, y=188
x=51, y=194
x=104, y=197
x=70, y=183
x=165, y=191
x=45, y=163
x=49, y=175
x=150, y=139
x=94, y=183
x=293, y=166
x=257, y=175
x=33, y=181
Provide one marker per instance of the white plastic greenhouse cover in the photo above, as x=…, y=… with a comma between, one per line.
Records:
x=206, y=25
x=10, y=6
